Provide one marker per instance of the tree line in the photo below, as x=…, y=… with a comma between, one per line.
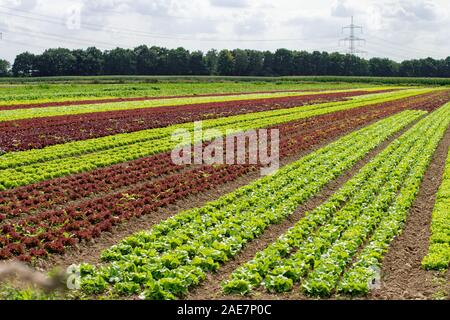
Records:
x=144, y=60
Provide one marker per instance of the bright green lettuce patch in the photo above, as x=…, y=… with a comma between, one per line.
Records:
x=322, y=250
x=56, y=92
x=439, y=252
x=176, y=254
x=26, y=167
x=28, y=113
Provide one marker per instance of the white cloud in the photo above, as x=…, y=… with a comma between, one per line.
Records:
x=230, y=3
x=250, y=24
x=398, y=29
x=341, y=8
x=21, y=4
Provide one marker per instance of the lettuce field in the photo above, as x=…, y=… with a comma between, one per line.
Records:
x=358, y=208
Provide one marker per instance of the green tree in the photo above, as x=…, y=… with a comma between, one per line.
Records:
x=211, y=59
x=407, y=68
x=56, y=62
x=5, y=68
x=240, y=62
x=315, y=61
x=255, y=63
x=94, y=60
x=146, y=60
x=301, y=64
x=80, y=65
x=322, y=67
x=336, y=64
x=446, y=67
x=120, y=62
x=282, y=62
x=158, y=60
x=225, y=63
x=382, y=67
x=428, y=67
x=24, y=65
x=161, y=64
x=355, y=66
x=178, y=61
x=268, y=64
x=197, y=64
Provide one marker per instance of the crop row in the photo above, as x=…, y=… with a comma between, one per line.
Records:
x=42, y=93
x=359, y=277
x=51, y=229
x=14, y=159
x=129, y=99
x=20, y=114
x=112, y=100
x=26, y=167
x=301, y=134
x=42, y=132
x=176, y=253
x=367, y=209
x=439, y=251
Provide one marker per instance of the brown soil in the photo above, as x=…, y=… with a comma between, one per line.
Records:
x=113, y=100
x=211, y=289
x=89, y=252
x=103, y=194
x=402, y=274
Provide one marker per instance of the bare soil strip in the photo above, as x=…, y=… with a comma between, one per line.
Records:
x=89, y=252
x=402, y=274
x=100, y=195
x=211, y=289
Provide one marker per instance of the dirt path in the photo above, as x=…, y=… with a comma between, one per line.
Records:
x=211, y=289
x=89, y=252
x=402, y=275
x=130, y=99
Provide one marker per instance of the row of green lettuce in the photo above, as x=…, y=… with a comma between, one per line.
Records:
x=176, y=254
x=338, y=247
x=438, y=256
x=26, y=167
x=57, y=92
x=29, y=113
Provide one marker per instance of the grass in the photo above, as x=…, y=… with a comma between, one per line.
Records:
x=203, y=79
x=36, y=92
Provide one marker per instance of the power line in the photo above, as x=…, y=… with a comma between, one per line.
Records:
x=82, y=41
x=352, y=39
x=52, y=36
x=386, y=52
x=96, y=27
x=89, y=26
x=159, y=16
x=24, y=44
x=404, y=48
x=86, y=25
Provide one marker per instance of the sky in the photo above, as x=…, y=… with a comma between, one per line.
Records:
x=397, y=29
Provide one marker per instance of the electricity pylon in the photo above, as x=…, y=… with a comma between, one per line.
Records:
x=353, y=40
